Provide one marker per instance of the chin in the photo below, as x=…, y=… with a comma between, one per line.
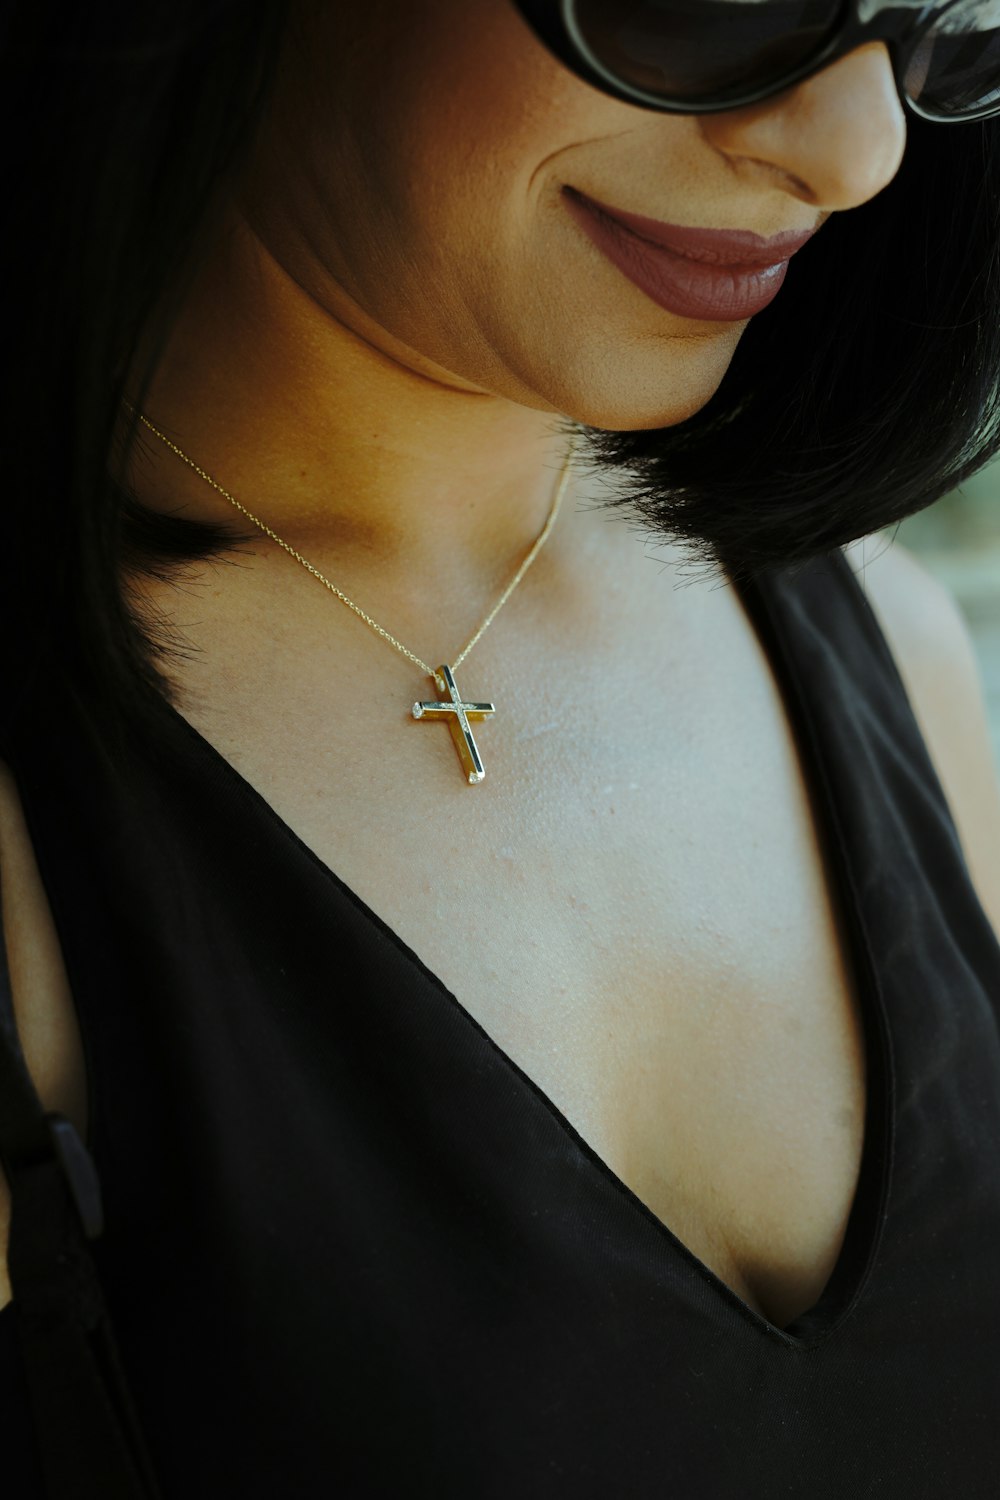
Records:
x=660, y=385
x=612, y=419
x=626, y=412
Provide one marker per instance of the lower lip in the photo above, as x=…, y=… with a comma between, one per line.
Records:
x=689, y=288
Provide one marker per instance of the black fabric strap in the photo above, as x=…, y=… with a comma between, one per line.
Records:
x=89, y=1442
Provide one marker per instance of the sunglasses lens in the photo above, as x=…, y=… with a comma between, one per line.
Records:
x=701, y=50
x=955, y=69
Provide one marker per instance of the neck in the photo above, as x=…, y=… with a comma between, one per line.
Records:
x=355, y=449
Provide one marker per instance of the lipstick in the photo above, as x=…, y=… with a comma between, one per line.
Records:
x=717, y=275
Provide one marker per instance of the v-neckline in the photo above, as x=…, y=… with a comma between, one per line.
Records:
x=859, y=1246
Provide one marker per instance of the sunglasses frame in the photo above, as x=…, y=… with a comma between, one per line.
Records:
x=554, y=23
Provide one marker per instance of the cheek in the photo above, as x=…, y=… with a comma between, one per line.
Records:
x=446, y=223
x=436, y=123
x=453, y=134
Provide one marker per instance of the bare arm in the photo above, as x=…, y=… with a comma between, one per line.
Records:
x=936, y=659
x=46, y=1019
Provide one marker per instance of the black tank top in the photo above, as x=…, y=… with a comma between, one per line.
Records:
x=353, y=1250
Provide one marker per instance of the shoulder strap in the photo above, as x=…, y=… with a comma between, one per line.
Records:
x=89, y=1443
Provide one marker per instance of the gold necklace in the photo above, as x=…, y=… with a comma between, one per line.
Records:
x=449, y=705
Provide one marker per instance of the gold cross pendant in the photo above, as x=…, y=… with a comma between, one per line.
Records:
x=449, y=706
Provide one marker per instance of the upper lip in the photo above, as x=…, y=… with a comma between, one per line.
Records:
x=719, y=247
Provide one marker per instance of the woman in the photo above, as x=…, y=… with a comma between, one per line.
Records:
x=624, y=1124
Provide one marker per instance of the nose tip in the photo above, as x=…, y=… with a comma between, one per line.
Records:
x=838, y=136
x=855, y=102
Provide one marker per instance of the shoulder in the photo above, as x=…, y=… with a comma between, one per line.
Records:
x=933, y=650
x=43, y=1006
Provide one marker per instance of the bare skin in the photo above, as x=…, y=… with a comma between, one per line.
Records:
x=374, y=356
x=741, y=1066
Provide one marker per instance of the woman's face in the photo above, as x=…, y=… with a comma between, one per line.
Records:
x=414, y=178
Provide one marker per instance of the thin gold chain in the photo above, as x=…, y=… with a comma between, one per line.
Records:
x=537, y=546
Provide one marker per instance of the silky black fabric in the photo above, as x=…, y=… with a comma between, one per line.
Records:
x=352, y=1250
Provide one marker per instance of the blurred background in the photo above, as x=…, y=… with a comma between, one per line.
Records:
x=958, y=540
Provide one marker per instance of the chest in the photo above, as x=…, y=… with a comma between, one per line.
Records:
x=633, y=905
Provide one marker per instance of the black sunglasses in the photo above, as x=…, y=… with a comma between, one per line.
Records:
x=700, y=56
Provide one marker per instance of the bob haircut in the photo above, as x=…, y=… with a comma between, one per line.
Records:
x=867, y=390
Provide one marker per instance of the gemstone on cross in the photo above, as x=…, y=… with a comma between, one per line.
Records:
x=449, y=706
